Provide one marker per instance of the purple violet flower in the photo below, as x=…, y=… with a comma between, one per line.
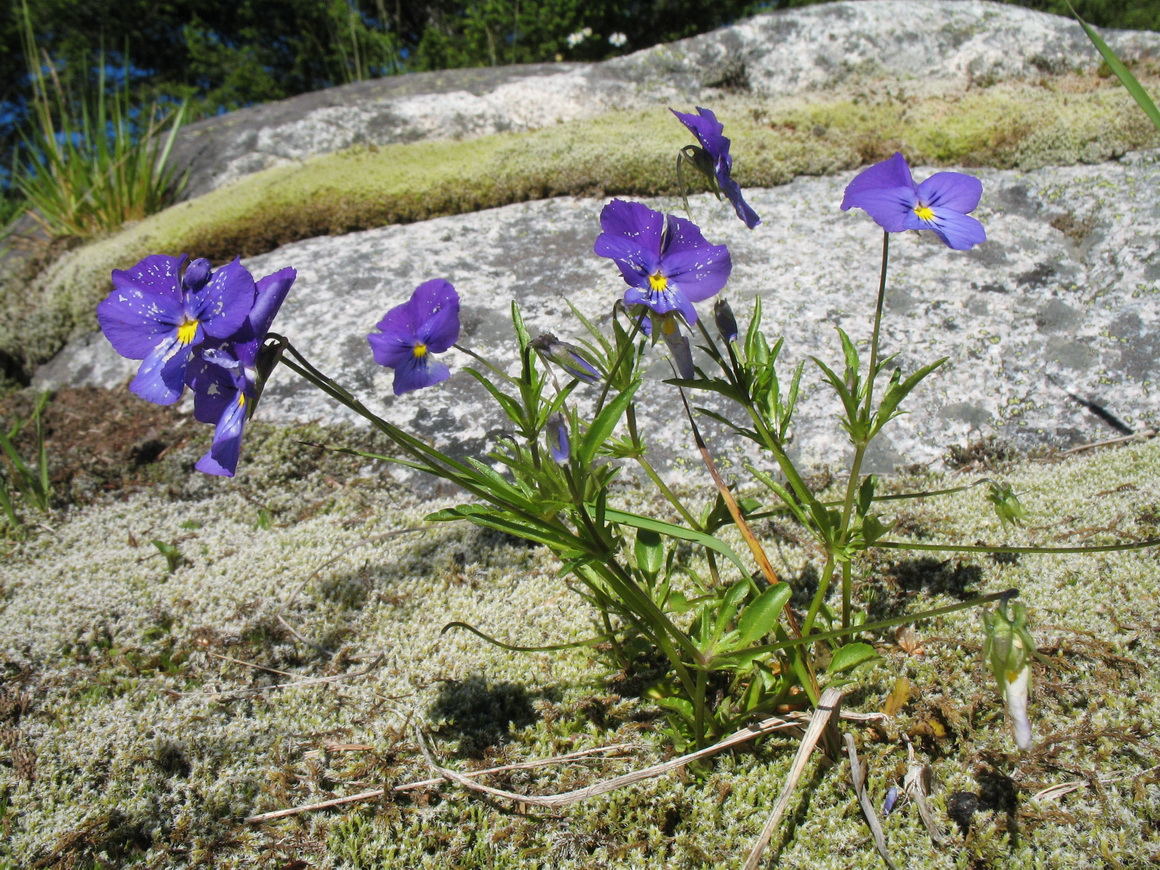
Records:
x=227, y=376
x=665, y=259
x=427, y=323
x=713, y=159
x=886, y=191
x=158, y=315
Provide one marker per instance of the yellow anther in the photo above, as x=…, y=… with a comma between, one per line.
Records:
x=924, y=212
x=658, y=283
x=186, y=331
x=419, y=350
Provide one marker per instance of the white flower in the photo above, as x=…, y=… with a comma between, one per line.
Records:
x=617, y=39
x=574, y=39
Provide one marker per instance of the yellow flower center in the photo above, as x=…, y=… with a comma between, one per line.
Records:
x=186, y=331
x=924, y=212
x=419, y=350
x=241, y=399
x=658, y=283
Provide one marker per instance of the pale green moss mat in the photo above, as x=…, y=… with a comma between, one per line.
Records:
x=134, y=737
x=1058, y=120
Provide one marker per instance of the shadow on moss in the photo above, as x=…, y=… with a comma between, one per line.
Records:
x=479, y=715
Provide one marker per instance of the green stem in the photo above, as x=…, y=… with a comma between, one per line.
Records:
x=860, y=448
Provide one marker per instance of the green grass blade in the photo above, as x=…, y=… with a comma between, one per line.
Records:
x=1125, y=76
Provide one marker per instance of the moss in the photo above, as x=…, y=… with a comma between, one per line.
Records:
x=129, y=766
x=1024, y=125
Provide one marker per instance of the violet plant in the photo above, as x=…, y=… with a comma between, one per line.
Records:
x=723, y=642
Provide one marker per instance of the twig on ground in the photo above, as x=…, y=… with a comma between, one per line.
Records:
x=766, y=726
x=1057, y=791
x=858, y=774
x=1143, y=435
x=427, y=783
x=827, y=706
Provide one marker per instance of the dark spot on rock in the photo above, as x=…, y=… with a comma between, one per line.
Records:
x=1037, y=277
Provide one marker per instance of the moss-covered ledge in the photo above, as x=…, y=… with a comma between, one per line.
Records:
x=141, y=729
x=1057, y=120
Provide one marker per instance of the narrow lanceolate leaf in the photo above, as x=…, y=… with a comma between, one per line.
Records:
x=672, y=531
x=604, y=424
x=1125, y=76
x=760, y=616
x=850, y=656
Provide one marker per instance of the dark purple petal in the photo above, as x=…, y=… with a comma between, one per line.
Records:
x=271, y=293
x=732, y=191
x=892, y=173
x=635, y=263
x=145, y=305
x=662, y=302
x=161, y=377
x=632, y=238
x=891, y=207
x=958, y=231
x=438, y=305
x=214, y=389
x=225, y=302
x=707, y=129
x=699, y=273
x=222, y=458
x=633, y=221
x=391, y=350
x=416, y=373
x=956, y=191
x=681, y=235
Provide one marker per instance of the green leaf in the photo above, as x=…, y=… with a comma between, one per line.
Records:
x=760, y=616
x=850, y=656
x=605, y=422
x=649, y=552
x=1125, y=76
x=673, y=531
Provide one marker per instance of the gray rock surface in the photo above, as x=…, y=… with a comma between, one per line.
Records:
x=1057, y=308
x=921, y=44
x=1053, y=316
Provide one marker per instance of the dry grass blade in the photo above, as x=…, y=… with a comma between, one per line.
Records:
x=827, y=707
x=917, y=787
x=427, y=783
x=766, y=726
x=858, y=774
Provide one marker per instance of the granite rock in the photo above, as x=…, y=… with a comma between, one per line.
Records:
x=919, y=45
x=1050, y=318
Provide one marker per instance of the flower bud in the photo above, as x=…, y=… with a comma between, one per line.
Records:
x=678, y=345
x=1007, y=506
x=567, y=356
x=196, y=275
x=559, y=444
x=1008, y=649
x=726, y=322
